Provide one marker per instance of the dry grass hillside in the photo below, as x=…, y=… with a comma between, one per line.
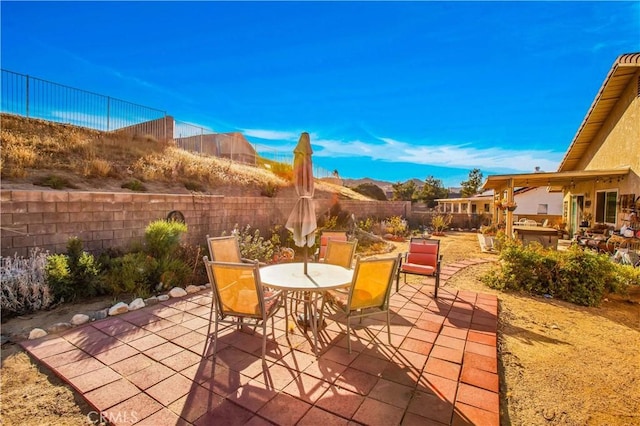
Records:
x=62, y=156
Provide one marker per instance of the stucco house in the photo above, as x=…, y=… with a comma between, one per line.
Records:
x=599, y=176
x=533, y=203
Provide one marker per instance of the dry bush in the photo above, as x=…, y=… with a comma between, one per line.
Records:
x=97, y=168
x=174, y=162
x=16, y=158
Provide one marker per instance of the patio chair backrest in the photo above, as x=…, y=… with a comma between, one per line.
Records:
x=423, y=252
x=340, y=252
x=324, y=240
x=237, y=289
x=224, y=249
x=371, y=285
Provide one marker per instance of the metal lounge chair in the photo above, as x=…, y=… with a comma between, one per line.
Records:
x=423, y=258
x=238, y=295
x=340, y=252
x=368, y=293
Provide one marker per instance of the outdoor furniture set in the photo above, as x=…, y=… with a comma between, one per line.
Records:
x=246, y=290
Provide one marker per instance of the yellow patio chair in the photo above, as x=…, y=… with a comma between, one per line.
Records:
x=226, y=249
x=237, y=295
x=368, y=293
x=324, y=241
x=340, y=252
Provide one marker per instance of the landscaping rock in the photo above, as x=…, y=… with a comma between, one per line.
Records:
x=151, y=301
x=3, y=339
x=79, y=319
x=163, y=297
x=37, y=333
x=101, y=314
x=202, y=287
x=192, y=289
x=59, y=326
x=119, y=308
x=136, y=304
x=207, y=285
x=177, y=292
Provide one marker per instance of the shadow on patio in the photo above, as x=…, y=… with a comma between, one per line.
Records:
x=153, y=366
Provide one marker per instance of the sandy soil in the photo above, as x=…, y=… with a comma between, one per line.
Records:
x=560, y=364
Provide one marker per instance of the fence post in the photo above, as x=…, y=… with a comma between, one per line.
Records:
x=108, y=112
x=201, y=137
x=166, y=139
x=27, y=89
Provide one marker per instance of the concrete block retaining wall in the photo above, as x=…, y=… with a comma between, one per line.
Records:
x=47, y=219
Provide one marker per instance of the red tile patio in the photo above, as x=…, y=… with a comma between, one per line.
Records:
x=147, y=367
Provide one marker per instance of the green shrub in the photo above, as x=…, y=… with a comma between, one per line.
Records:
x=131, y=274
x=74, y=275
x=134, y=185
x=367, y=224
x=55, y=182
x=577, y=276
x=253, y=245
x=162, y=237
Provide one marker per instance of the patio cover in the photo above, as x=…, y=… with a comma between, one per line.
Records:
x=554, y=181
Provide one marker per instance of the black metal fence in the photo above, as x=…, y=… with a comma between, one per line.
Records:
x=37, y=98
x=33, y=97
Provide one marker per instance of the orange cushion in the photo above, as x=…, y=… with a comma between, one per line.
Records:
x=413, y=268
x=423, y=254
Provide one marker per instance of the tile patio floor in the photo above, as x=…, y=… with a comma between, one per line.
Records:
x=146, y=367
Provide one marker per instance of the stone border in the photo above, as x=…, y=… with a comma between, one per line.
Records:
x=116, y=309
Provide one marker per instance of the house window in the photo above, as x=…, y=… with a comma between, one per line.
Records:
x=606, y=202
x=487, y=208
x=543, y=208
x=474, y=209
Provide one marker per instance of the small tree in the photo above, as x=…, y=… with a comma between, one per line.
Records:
x=440, y=223
x=472, y=185
x=404, y=191
x=432, y=190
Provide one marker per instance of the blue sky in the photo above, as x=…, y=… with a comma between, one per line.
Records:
x=387, y=90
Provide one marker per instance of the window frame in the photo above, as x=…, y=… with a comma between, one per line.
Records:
x=602, y=207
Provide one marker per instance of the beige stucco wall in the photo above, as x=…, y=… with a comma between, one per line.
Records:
x=618, y=142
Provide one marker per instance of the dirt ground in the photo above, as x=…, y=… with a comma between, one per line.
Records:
x=560, y=364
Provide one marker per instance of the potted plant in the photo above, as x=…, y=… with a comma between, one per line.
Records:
x=586, y=220
x=510, y=205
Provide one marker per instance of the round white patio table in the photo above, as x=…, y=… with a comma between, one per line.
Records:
x=319, y=278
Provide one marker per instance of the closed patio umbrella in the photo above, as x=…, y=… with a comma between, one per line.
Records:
x=302, y=219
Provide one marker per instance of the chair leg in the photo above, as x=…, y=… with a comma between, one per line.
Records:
x=264, y=339
x=349, y=332
x=435, y=293
x=389, y=327
x=215, y=339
